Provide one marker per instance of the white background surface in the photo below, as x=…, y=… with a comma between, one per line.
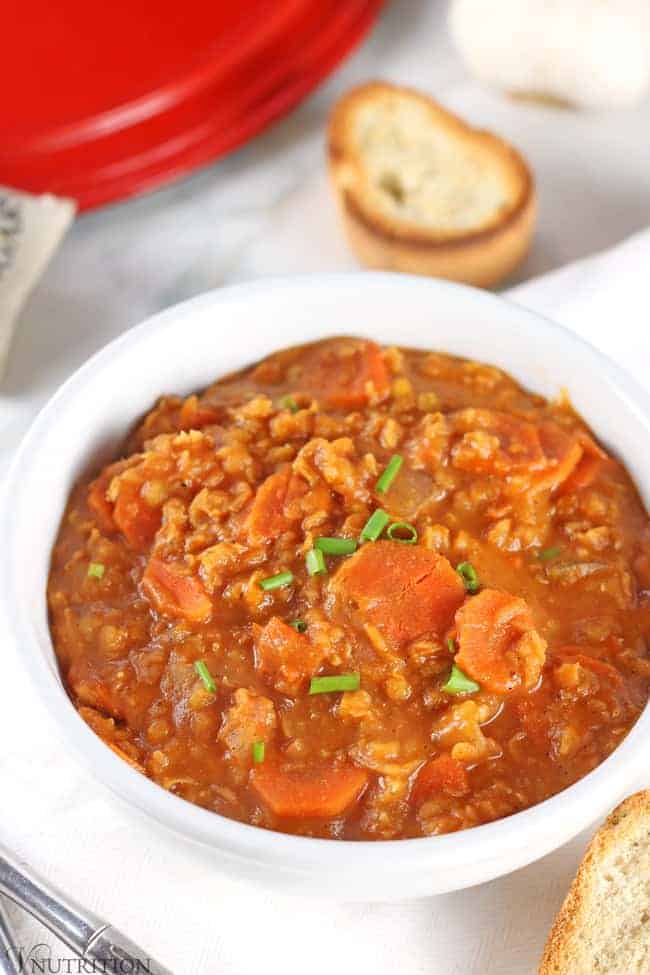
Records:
x=267, y=209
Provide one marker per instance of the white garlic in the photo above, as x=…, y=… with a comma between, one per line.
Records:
x=590, y=53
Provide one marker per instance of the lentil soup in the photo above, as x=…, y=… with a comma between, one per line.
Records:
x=357, y=593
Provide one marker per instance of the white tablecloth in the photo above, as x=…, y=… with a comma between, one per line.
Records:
x=266, y=210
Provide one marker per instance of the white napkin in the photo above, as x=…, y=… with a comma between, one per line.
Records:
x=31, y=228
x=171, y=899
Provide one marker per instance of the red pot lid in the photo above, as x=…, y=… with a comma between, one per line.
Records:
x=110, y=101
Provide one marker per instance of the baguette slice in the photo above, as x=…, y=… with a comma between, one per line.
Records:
x=603, y=927
x=420, y=191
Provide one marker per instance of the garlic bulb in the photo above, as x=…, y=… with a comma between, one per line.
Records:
x=590, y=53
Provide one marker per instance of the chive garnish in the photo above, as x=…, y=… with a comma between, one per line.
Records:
x=96, y=570
x=403, y=531
x=315, y=562
x=375, y=525
x=336, y=546
x=258, y=750
x=549, y=553
x=206, y=677
x=299, y=626
x=460, y=683
x=451, y=644
x=389, y=474
x=276, y=582
x=335, y=682
x=467, y=572
x=289, y=403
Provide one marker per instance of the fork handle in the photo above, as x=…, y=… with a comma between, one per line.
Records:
x=9, y=959
x=80, y=929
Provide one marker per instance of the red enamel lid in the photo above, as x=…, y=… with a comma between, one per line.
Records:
x=107, y=101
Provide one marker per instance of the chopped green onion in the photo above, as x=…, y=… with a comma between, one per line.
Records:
x=467, y=572
x=336, y=546
x=403, y=531
x=390, y=473
x=289, y=403
x=208, y=680
x=451, y=644
x=547, y=554
x=299, y=626
x=276, y=582
x=96, y=570
x=460, y=683
x=258, y=750
x=315, y=562
x=375, y=525
x=337, y=682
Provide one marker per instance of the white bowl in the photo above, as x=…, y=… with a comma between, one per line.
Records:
x=187, y=347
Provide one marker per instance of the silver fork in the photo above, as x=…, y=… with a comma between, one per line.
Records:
x=86, y=934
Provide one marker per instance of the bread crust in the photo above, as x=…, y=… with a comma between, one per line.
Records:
x=620, y=828
x=483, y=256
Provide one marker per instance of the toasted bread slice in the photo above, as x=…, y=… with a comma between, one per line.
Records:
x=603, y=927
x=421, y=191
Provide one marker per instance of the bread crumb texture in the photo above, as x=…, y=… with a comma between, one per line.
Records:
x=603, y=927
x=422, y=191
x=425, y=168
x=425, y=175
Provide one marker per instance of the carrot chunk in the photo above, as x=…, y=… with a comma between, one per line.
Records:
x=495, y=443
x=404, y=590
x=593, y=461
x=345, y=375
x=175, y=594
x=583, y=475
x=268, y=516
x=285, y=657
x=440, y=774
x=498, y=644
x=137, y=520
x=308, y=793
x=563, y=453
x=574, y=461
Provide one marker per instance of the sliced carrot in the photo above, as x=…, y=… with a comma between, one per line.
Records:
x=137, y=520
x=563, y=452
x=440, y=774
x=591, y=447
x=518, y=442
x=575, y=459
x=267, y=518
x=312, y=793
x=404, y=590
x=285, y=657
x=593, y=461
x=489, y=625
x=345, y=374
x=584, y=474
x=175, y=594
